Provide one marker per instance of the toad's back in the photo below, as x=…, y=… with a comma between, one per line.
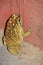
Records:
x=13, y=29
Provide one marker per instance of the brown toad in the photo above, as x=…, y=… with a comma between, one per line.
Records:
x=13, y=34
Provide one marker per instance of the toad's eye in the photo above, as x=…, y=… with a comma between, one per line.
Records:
x=19, y=20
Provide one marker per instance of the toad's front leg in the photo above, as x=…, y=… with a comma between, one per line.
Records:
x=28, y=32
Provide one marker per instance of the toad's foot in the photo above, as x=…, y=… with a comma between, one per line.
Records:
x=28, y=32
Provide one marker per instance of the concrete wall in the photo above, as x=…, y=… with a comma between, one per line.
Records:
x=32, y=15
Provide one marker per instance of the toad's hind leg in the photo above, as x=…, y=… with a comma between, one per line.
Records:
x=12, y=49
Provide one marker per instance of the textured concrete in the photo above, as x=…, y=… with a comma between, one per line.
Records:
x=31, y=55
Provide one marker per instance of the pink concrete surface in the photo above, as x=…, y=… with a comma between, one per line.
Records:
x=32, y=15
